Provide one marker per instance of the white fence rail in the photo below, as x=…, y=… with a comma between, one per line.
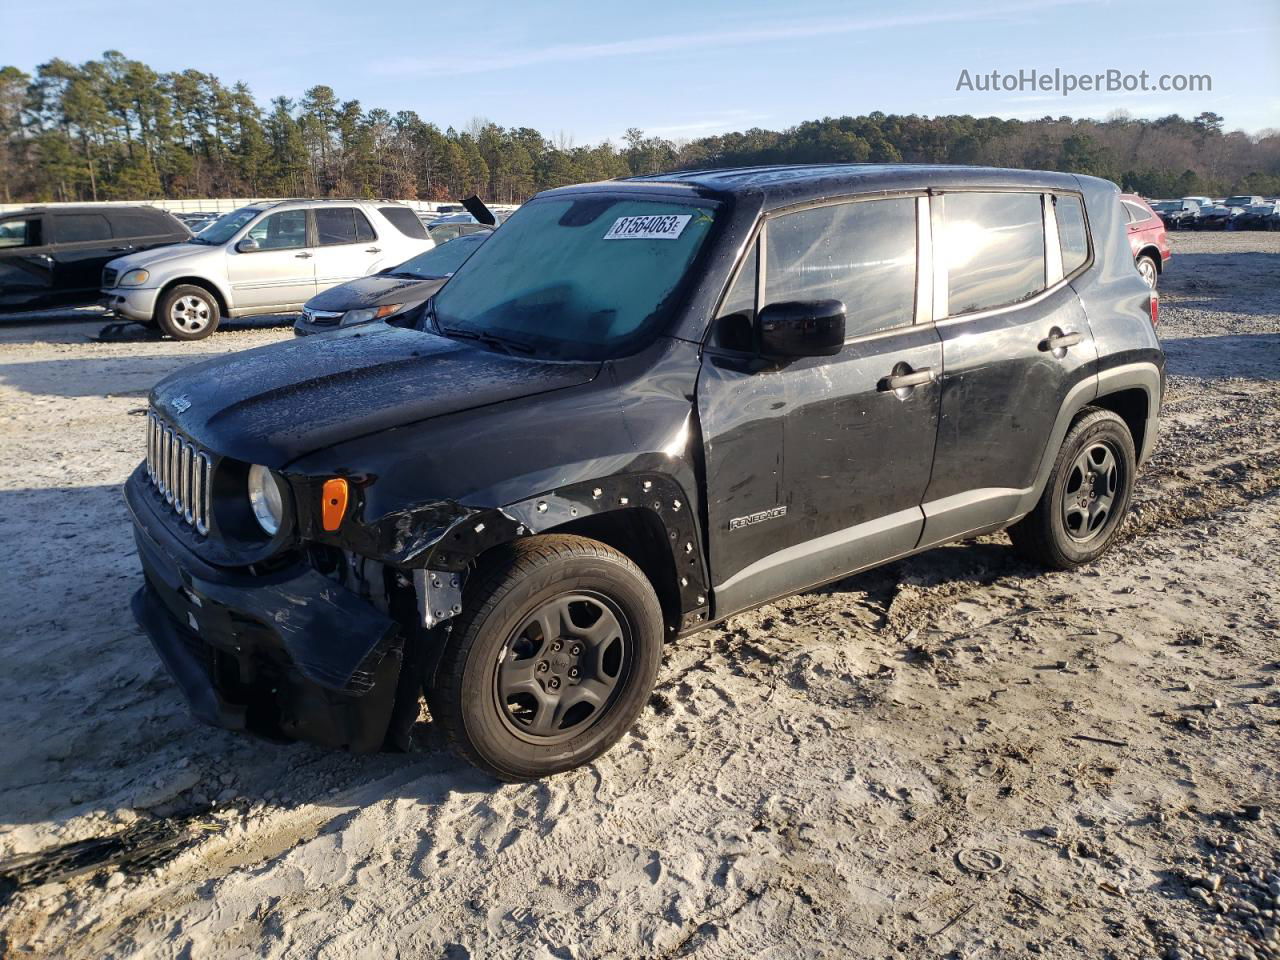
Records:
x=227, y=204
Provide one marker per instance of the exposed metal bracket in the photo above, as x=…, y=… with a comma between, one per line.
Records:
x=439, y=595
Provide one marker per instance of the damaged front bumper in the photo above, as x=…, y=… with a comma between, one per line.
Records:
x=290, y=655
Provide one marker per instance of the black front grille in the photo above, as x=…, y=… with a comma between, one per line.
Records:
x=108, y=278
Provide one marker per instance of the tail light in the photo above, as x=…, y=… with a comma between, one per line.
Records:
x=1155, y=309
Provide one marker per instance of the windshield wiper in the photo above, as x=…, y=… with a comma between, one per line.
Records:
x=505, y=344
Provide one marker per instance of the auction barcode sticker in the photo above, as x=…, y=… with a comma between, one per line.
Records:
x=662, y=227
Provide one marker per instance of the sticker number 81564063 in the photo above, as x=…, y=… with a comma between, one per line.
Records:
x=660, y=227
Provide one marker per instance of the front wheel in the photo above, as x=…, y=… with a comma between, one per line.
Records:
x=551, y=660
x=187, y=312
x=1086, y=498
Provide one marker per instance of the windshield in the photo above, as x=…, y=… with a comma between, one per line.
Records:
x=226, y=226
x=576, y=277
x=1237, y=201
x=1165, y=206
x=443, y=260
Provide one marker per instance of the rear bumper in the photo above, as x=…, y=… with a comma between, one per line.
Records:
x=131, y=302
x=288, y=656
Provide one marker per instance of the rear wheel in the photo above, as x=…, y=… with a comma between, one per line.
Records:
x=551, y=660
x=187, y=312
x=1087, y=495
x=1148, y=270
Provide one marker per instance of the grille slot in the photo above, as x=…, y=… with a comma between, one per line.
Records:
x=180, y=472
x=108, y=278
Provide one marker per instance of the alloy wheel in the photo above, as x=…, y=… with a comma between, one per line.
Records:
x=190, y=314
x=1148, y=271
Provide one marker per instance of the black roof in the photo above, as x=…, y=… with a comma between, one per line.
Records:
x=787, y=183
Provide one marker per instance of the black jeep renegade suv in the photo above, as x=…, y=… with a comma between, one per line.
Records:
x=642, y=406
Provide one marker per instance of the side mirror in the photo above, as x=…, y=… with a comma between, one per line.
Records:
x=801, y=328
x=247, y=245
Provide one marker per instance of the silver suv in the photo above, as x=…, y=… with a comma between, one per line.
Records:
x=265, y=258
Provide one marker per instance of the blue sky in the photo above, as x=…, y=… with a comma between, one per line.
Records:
x=680, y=69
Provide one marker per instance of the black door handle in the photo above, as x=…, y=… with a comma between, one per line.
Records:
x=118, y=249
x=373, y=250
x=303, y=256
x=906, y=380
x=1059, y=341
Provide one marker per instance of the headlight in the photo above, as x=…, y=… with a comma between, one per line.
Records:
x=368, y=313
x=134, y=278
x=266, y=498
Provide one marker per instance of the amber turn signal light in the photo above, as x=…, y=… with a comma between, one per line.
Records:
x=334, y=504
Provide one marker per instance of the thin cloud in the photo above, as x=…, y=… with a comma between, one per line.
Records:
x=672, y=43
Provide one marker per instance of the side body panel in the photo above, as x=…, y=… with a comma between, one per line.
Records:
x=1001, y=393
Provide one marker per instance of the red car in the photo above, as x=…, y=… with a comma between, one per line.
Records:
x=1147, y=239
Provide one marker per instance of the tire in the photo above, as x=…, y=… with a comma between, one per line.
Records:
x=507, y=698
x=1148, y=270
x=1064, y=530
x=188, y=312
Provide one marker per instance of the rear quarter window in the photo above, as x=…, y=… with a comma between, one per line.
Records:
x=404, y=220
x=993, y=248
x=1073, y=234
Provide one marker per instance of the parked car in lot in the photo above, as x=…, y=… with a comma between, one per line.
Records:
x=1214, y=217
x=1257, y=216
x=1147, y=238
x=53, y=256
x=640, y=407
x=261, y=259
x=1176, y=214
x=397, y=293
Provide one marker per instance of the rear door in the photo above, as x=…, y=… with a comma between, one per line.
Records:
x=280, y=274
x=346, y=245
x=1015, y=342
x=817, y=467
x=83, y=244
x=26, y=262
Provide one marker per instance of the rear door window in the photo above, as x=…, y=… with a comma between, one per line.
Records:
x=405, y=220
x=337, y=225
x=993, y=247
x=862, y=254
x=20, y=233
x=1073, y=235
x=80, y=227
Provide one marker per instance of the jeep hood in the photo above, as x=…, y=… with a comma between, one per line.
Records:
x=273, y=404
x=375, y=291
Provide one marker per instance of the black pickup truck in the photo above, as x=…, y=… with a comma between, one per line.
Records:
x=640, y=407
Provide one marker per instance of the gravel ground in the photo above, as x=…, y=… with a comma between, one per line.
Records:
x=957, y=755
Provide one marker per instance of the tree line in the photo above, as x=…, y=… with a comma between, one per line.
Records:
x=115, y=129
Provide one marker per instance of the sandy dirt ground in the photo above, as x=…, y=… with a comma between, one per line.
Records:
x=958, y=755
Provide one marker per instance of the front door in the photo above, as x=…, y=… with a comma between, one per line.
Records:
x=346, y=246
x=817, y=467
x=26, y=263
x=1015, y=342
x=280, y=274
